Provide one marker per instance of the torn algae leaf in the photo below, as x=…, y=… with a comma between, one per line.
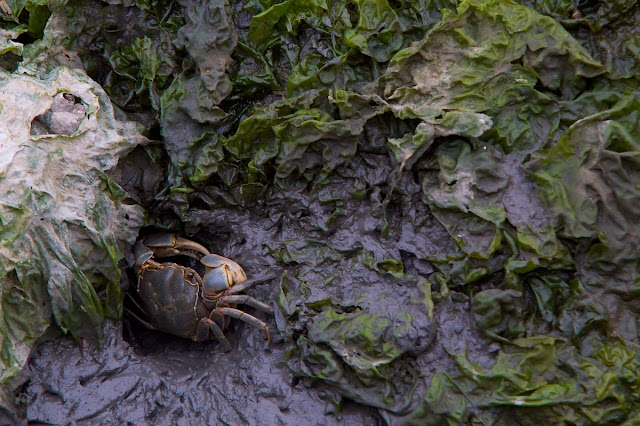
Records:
x=7, y=43
x=375, y=28
x=478, y=196
x=262, y=32
x=589, y=183
x=302, y=136
x=490, y=67
x=30, y=27
x=64, y=225
x=358, y=347
x=252, y=71
x=572, y=173
x=489, y=307
x=210, y=157
x=379, y=32
x=338, y=44
x=356, y=338
x=208, y=26
x=15, y=7
x=586, y=183
x=616, y=46
x=550, y=374
x=190, y=111
x=317, y=132
x=459, y=195
x=143, y=65
x=477, y=59
x=127, y=49
x=315, y=71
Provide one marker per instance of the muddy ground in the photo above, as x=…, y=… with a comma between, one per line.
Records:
x=161, y=380
x=380, y=230
x=148, y=377
x=155, y=378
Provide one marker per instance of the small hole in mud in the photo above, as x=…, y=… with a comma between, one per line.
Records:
x=146, y=342
x=155, y=132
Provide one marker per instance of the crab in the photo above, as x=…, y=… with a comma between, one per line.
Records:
x=178, y=300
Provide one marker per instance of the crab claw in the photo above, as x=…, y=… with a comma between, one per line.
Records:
x=216, y=280
x=165, y=244
x=221, y=273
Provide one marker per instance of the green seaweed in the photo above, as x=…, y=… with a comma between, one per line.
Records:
x=64, y=225
x=486, y=151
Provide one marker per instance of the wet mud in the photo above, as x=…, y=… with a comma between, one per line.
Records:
x=147, y=377
x=159, y=379
x=416, y=268
x=141, y=376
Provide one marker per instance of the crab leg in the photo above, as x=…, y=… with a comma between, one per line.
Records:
x=130, y=312
x=243, y=316
x=246, y=300
x=239, y=288
x=135, y=302
x=207, y=324
x=143, y=322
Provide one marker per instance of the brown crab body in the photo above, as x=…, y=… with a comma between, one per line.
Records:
x=170, y=296
x=177, y=300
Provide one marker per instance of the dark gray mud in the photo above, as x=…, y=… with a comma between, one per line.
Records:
x=161, y=380
x=421, y=275
x=154, y=378
x=146, y=377
x=316, y=256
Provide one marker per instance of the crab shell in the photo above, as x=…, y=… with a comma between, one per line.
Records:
x=170, y=296
x=177, y=300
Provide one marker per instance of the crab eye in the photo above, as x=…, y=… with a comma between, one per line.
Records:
x=216, y=280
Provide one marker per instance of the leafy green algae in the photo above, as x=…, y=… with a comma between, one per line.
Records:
x=64, y=226
x=485, y=153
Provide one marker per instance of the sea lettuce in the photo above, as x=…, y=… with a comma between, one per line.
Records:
x=65, y=223
x=465, y=107
x=453, y=185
